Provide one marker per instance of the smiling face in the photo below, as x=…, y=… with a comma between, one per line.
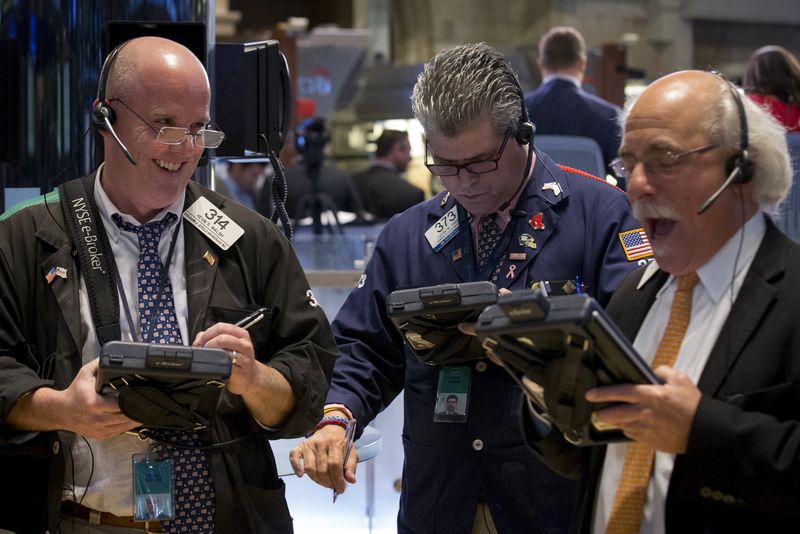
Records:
x=480, y=194
x=667, y=117
x=171, y=89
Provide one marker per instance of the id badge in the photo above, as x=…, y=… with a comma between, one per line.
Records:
x=153, y=488
x=452, y=395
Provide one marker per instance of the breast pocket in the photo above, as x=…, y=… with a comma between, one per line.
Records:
x=259, y=332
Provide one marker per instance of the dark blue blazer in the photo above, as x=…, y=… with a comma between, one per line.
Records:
x=446, y=468
x=558, y=107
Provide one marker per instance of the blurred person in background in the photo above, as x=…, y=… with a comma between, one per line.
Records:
x=559, y=106
x=383, y=190
x=772, y=80
x=244, y=183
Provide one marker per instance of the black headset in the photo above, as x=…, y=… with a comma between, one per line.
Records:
x=103, y=115
x=525, y=129
x=524, y=136
x=101, y=110
x=740, y=166
x=741, y=160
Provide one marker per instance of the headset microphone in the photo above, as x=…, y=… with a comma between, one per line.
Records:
x=713, y=198
x=103, y=115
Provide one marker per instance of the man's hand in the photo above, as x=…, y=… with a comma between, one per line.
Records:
x=79, y=409
x=236, y=341
x=322, y=456
x=266, y=392
x=659, y=416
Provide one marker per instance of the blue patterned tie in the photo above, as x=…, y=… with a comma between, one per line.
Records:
x=487, y=240
x=194, y=487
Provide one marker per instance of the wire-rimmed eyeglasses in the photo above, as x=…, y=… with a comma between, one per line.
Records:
x=473, y=167
x=656, y=161
x=174, y=135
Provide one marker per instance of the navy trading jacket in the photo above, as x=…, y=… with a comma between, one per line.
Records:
x=450, y=466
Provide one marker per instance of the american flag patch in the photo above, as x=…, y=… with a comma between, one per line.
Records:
x=635, y=244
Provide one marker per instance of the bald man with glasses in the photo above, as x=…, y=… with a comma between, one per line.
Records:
x=66, y=451
x=716, y=446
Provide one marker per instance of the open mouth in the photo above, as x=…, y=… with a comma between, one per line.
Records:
x=660, y=228
x=169, y=165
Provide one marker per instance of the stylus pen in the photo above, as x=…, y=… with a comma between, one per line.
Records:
x=349, y=432
x=251, y=319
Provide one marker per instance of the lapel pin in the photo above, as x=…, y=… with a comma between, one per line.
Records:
x=526, y=240
x=517, y=256
x=552, y=186
x=457, y=254
x=210, y=259
x=445, y=198
x=537, y=221
x=510, y=274
x=55, y=272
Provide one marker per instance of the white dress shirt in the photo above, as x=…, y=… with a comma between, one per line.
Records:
x=711, y=302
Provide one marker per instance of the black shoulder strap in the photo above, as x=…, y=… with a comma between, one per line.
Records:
x=94, y=255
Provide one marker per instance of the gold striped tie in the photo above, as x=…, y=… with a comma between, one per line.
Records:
x=626, y=511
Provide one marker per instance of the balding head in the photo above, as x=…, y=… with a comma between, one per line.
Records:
x=678, y=138
x=702, y=102
x=153, y=84
x=153, y=60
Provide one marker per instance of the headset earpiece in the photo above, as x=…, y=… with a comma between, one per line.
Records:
x=102, y=111
x=525, y=131
x=744, y=164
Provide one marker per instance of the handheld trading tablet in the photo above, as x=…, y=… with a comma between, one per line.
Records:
x=560, y=347
x=164, y=386
x=428, y=317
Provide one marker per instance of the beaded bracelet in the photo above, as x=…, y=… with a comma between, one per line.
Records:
x=332, y=420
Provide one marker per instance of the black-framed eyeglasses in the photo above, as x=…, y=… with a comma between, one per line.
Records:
x=657, y=161
x=174, y=135
x=473, y=167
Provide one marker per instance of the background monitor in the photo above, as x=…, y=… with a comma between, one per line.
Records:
x=253, y=98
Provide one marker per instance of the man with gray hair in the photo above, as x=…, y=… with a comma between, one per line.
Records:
x=716, y=447
x=559, y=106
x=511, y=216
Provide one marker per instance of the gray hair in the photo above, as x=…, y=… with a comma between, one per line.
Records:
x=462, y=86
x=772, y=176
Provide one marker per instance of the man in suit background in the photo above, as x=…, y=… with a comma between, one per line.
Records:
x=383, y=191
x=559, y=106
x=725, y=424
